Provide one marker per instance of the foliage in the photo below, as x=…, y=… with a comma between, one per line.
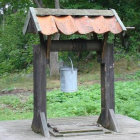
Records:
x=128, y=99
x=15, y=49
x=12, y=6
x=86, y=101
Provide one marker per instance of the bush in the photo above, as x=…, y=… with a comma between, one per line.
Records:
x=15, y=48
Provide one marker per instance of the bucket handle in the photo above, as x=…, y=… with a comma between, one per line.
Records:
x=71, y=63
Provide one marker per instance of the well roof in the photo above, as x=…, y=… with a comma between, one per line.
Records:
x=71, y=21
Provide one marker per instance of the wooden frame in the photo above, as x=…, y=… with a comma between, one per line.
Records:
x=107, y=117
x=41, y=54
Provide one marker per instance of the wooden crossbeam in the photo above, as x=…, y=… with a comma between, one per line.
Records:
x=75, y=45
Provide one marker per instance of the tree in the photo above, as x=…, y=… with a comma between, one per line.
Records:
x=39, y=3
x=15, y=12
x=54, y=65
x=15, y=48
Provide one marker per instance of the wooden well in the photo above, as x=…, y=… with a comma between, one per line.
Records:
x=47, y=22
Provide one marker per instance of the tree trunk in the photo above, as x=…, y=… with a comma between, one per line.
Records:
x=39, y=3
x=54, y=65
x=57, y=4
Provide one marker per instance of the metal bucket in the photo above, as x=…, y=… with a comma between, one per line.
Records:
x=68, y=78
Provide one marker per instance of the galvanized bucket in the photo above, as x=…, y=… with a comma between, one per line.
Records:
x=68, y=78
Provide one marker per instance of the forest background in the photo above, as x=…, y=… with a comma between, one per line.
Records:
x=16, y=49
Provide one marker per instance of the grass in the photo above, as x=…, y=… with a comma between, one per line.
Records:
x=86, y=101
x=88, y=73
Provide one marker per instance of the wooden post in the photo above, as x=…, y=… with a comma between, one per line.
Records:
x=107, y=88
x=39, y=75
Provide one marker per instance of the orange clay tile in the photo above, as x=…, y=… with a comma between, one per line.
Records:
x=69, y=25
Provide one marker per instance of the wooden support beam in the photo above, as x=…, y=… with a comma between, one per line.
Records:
x=48, y=47
x=107, y=89
x=45, y=129
x=113, y=121
x=75, y=45
x=104, y=46
x=39, y=79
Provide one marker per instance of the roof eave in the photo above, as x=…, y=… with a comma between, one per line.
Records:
x=34, y=12
x=31, y=15
x=118, y=19
x=26, y=22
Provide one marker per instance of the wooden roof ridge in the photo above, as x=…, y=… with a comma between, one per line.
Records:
x=33, y=13
x=72, y=12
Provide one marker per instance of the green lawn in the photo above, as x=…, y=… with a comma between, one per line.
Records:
x=86, y=101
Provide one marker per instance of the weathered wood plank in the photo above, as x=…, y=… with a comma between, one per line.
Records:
x=119, y=20
x=26, y=23
x=39, y=75
x=56, y=134
x=76, y=133
x=44, y=125
x=75, y=45
x=31, y=26
x=111, y=77
x=113, y=122
x=48, y=47
x=104, y=46
x=73, y=12
x=130, y=28
x=76, y=128
x=73, y=121
x=84, y=133
x=107, y=86
x=33, y=14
